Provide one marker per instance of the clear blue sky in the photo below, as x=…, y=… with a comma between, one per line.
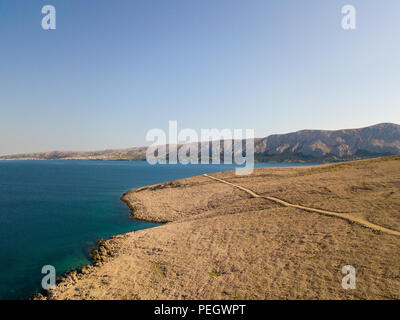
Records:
x=115, y=69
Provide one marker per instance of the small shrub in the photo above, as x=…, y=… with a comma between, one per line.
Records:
x=214, y=274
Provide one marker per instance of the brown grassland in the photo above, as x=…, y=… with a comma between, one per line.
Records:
x=219, y=242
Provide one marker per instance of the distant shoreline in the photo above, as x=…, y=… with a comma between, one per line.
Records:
x=304, y=146
x=312, y=161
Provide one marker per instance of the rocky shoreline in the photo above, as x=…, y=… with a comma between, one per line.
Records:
x=106, y=250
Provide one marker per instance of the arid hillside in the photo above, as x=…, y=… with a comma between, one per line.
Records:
x=232, y=239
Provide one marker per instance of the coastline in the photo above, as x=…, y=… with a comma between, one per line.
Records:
x=197, y=210
x=104, y=251
x=107, y=249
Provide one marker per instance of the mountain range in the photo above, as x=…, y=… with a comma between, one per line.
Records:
x=301, y=146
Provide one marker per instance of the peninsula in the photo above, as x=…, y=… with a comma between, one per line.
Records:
x=279, y=233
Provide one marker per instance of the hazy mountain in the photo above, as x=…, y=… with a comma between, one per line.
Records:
x=380, y=139
x=305, y=146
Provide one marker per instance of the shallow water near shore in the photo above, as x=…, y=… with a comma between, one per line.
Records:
x=52, y=212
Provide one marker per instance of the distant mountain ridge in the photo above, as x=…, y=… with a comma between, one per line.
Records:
x=331, y=145
x=301, y=146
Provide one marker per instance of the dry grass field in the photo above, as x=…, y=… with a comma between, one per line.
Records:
x=368, y=189
x=221, y=243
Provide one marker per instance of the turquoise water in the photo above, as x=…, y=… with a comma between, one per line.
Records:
x=52, y=212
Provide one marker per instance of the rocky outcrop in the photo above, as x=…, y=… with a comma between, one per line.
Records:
x=381, y=139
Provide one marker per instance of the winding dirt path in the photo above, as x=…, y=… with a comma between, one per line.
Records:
x=344, y=216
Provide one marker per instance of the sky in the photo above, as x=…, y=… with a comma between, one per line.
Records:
x=113, y=70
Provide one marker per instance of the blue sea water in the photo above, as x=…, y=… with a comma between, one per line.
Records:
x=52, y=212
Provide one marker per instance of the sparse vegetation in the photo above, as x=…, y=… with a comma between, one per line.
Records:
x=214, y=274
x=158, y=270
